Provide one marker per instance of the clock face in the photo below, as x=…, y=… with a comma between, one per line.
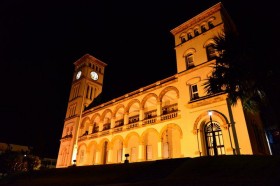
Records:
x=79, y=75
x=94, y=75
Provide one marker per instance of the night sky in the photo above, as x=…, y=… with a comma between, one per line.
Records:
x=40, y=41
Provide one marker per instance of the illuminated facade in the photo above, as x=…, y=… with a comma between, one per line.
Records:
x=171, y=118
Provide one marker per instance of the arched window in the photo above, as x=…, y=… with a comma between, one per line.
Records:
x=189, y=35
x=189, y=60
x=210, y=24
x=183, y=37
x=211, y=52
x=214, y=139
x=203, y=28
x=196, y=32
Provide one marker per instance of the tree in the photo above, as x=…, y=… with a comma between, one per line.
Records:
x=12, y=162
x=237, y=72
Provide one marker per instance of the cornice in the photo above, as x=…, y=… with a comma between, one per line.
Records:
x=210, y=11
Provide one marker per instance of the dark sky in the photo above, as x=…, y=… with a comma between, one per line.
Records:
x=40, y=41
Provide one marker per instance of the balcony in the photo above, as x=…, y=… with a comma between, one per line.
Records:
x=169, y=112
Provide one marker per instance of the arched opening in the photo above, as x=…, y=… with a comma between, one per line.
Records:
x=214, y=139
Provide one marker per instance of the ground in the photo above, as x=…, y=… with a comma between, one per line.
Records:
x=220, y=170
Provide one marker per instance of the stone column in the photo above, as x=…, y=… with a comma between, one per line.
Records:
x=159, y=150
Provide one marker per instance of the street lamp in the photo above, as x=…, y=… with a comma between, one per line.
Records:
x=126, y=158
x=210, y=113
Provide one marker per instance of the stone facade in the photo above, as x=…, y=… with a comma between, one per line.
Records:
x=171, y=118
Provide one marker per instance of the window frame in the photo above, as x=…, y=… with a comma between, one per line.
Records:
x=194, y=92
x=189, y=59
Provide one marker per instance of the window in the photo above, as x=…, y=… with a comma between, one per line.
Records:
x=203, y=28
x=210, y=24
x=190, y=36
x=87, y=96
x=183, y=38
x=196, y=32
x=75, y=91
x=214, y=139
x=194, y=92
x=189, y=61
x=211, y=52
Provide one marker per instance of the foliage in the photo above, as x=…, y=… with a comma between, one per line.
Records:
x=12, y=162
x=237, y=72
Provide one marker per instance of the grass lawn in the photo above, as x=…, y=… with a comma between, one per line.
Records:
x=220, y=170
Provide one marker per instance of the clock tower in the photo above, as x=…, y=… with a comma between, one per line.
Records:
x=87, y=84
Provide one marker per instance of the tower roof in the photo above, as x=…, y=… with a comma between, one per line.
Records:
x=89, y=58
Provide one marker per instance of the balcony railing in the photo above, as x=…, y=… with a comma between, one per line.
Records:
x=93, y=135
x=132, y=125
x=104, y=132
x=118, y=129
x=169, y=116
x=149, y=121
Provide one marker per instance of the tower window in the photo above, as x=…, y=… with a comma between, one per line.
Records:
x=87, y=95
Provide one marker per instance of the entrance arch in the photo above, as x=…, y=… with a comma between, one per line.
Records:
x=214, y=139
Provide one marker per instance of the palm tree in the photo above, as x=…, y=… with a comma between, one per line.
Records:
x=236, y=72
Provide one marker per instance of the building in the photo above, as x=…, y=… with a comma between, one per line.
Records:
x=14, y=148
x=171, y=118
x=48, y=163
